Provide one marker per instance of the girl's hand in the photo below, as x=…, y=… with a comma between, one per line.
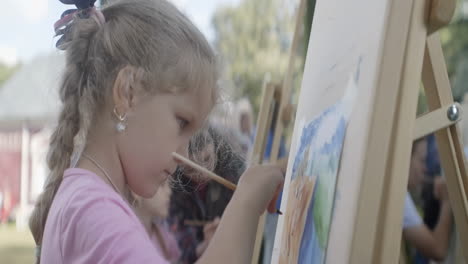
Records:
x=210, y=228
x=208, y=232
x=259, y=186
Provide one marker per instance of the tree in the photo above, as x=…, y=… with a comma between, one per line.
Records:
x=253, y=39
x=455, y=45
x=454, y=39
x=308, y=18
x=6, y=72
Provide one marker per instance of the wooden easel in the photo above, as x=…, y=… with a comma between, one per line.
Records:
x=281, y=97
x=377, y=232
x=270, y=96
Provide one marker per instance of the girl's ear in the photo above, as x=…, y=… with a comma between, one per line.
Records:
x=123, y=91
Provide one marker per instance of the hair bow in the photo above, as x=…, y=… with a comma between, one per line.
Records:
x=62, y=26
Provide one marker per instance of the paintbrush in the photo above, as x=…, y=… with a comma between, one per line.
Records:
x=195, y=222
x=209, y=174
x=204, y=171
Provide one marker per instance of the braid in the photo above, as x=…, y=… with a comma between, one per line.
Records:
x=58, y=159
x=73, y=123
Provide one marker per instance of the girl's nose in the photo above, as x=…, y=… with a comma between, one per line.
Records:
x=183, y=150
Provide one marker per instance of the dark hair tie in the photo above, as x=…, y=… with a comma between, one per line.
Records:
x=85, y=8
x=80, y=4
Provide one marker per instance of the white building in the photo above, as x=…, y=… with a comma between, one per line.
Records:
x=28, y=108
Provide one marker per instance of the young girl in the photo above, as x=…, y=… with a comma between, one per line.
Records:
x=139, y=81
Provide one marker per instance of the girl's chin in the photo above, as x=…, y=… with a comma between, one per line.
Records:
x=148, y=193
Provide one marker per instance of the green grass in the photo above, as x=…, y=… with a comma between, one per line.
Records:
x=15, y=247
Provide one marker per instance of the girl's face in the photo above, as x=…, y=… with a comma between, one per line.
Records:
x=157, y=126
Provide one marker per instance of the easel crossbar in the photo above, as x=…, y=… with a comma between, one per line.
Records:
x=436, y=120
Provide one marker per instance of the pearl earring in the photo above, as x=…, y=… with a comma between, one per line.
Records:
x=122, y=124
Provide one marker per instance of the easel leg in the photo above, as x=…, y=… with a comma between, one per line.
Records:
x=367, y=230
x=438, y=92
x=388, y=240
x=258, y=151
x=262, y=124
x=286, y=90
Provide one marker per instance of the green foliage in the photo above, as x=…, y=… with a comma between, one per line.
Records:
x=253, y=39
x=454, y=39
x=309, y=17
x=455, y=45
x=6, y=72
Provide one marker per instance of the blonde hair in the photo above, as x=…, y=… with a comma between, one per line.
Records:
x=155, y=41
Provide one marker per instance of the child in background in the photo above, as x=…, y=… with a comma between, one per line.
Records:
x=432, y=244
x=139, y=82
x=196, y=199
x=153, y=214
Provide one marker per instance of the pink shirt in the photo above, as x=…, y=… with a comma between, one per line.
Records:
x=90, y=223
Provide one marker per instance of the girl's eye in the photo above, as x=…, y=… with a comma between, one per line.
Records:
x=182, y=123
